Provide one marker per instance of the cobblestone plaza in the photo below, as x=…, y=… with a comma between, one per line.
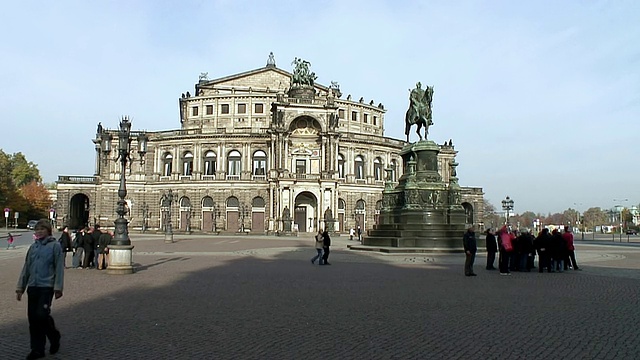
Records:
x=237, y=297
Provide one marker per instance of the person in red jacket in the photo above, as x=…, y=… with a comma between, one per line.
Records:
x=571, y=250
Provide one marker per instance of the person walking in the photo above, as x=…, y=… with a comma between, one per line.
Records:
x=469, y=243
x=326, y=243
x=65, y=244
x=10, y=240
x=492, y=247
x=78, y=249
x=318, y=244
x=571, y=250
x=42, y=277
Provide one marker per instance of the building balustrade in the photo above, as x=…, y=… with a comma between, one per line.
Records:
x=78, y=179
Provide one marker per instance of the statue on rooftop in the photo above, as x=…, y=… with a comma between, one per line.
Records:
x=301, y=73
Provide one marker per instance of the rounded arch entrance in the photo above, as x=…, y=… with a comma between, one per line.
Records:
x=305, y=212
x=78, y=211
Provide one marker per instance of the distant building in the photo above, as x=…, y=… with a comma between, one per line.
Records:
x=251, y=152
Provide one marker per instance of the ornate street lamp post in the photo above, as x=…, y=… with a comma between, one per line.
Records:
x=507, y=205
x=120, y=249
x=166, y=205
x=145, y=215
x=243, y=212
x=214, y=217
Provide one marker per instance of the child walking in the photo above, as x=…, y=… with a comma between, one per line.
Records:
x=10, y=241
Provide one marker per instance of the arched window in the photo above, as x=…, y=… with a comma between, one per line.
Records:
x=209, y=163
x=358, y=164
x=185, y=202
x=232, y=202
x=234, y=161
x=207, y=202
x=340, y=166
x=257, y=202
x=167, y=160
x=187, y=163
x=259, y=163
x=394, y=170
x=377, y=168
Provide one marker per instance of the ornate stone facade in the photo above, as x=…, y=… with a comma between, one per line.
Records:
x=255, y=152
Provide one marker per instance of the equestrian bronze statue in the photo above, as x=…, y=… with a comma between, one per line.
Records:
x=419, y=112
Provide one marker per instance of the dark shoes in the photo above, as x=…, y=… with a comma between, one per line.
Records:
x=35, y=355
x=55, y=344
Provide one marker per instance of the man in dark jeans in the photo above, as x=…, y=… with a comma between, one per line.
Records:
x=95, y=236
x=326, y=243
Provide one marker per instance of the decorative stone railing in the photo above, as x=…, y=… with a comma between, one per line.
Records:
x=77, y=179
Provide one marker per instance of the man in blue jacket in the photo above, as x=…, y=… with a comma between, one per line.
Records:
x=43, y=277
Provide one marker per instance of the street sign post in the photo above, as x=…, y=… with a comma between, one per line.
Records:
x=6, y=217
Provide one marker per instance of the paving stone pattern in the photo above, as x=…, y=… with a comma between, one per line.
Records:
x=261, y=298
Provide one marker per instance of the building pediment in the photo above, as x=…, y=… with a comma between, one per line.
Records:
x=271, y=78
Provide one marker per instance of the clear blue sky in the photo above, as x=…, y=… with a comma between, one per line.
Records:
x=541, y=98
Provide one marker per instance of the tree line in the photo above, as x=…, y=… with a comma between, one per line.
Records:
x=21, y=188
x=588, y=220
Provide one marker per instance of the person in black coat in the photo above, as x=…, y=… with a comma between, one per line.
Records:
x=326, y=243
x=95, y=236
x=558, y=251
x=492, y=248
x=65, y=244
x=542, y=244
x=87, y=245
x=469, y=243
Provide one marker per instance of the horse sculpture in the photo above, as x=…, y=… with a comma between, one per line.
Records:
x=419, y=112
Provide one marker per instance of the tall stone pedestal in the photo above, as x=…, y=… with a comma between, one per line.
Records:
x=422, y=211
x=120, y=260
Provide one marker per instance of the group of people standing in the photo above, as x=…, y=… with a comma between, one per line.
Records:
x=88, y=247
x=517, y=250
x=322, y=244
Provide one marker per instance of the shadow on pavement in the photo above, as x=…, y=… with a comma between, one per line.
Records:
x=280, y=306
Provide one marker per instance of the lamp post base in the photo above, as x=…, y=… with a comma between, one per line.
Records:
x=120, y=260
x=168, y=238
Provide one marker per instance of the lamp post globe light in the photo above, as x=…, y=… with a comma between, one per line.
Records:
x=120, y=250
x=507, y=205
